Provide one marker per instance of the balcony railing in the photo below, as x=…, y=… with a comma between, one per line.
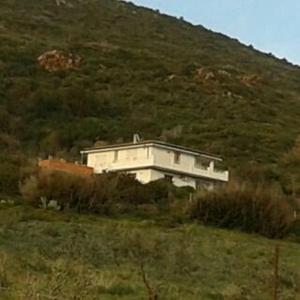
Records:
x=191, y=169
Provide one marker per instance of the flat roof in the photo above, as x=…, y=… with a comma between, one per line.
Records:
x=151, y=142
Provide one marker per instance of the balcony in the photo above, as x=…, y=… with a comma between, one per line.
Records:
x=187, y=167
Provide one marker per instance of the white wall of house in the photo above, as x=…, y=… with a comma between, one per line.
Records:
x=149, y=175
x=177, y=180
x=144, y=176
x=187, y=163
x=151, y=162
x=111, y=160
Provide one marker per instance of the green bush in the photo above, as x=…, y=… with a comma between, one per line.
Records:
x=262, y=210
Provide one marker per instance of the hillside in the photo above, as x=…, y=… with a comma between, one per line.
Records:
x=119, y=69
x=47, y=255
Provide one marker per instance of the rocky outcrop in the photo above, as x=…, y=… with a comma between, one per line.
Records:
x=224, y=73
x=60, y=2
x=56, y=60
x=204, y=74
x=250, y=80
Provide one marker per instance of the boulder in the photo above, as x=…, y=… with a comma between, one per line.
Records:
x=56, y=60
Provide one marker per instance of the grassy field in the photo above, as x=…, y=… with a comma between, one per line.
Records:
x=51, y=255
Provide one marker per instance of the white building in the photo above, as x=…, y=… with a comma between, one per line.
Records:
x=152, y=160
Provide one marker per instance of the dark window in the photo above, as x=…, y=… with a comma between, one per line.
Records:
x=84, y=159
x=132, y=175
x=176, y=157
x=201, y=162
x=169, y=178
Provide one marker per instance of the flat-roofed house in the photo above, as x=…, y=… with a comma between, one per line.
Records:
x=152, y=160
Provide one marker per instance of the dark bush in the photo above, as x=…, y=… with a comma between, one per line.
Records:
x=262, y=210
x=105, y=193
x=9, y=175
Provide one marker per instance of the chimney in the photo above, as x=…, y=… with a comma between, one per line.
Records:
x=136, y=138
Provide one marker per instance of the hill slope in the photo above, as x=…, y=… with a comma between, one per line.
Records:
x=137, y=71
x=47, y=255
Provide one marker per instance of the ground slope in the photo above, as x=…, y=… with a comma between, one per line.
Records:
x=139, y=71
x=47, y=255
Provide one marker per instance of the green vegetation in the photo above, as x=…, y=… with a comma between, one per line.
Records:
x=51, y=255
x=140, y=71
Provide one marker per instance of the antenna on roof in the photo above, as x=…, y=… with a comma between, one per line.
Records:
x=137, y=138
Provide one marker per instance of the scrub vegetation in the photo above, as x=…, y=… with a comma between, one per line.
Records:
x=258, y=209
x=76, y=72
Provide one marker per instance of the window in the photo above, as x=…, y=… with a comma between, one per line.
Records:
x=116, y=156
x=176, y=158
x=169, y=178
x=201, y=162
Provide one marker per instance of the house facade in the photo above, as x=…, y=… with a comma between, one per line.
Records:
x=152, y=160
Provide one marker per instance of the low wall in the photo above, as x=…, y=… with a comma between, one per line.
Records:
x=66, y=167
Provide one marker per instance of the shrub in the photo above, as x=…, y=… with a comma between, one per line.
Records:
x=105, y=193
x=262, y=210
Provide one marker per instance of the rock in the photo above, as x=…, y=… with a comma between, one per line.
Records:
x=227, y=94
x=9, y=201
x=60, y=2
x=56, y=60
x=224, y=73
x=250, y=80
x=63, y=2
x=204, y=74
x=53, y=204
x=171, y=77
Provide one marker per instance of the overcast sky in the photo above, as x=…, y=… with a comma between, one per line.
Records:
x=269, y=25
